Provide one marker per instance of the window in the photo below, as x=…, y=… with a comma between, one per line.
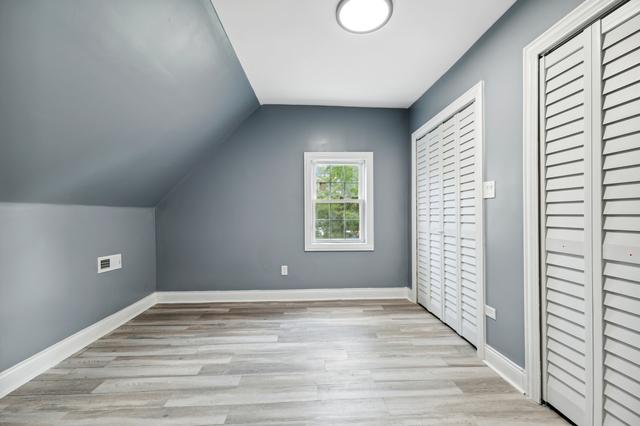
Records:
x=338, y=201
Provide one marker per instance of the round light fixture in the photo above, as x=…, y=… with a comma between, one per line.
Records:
x=363, y=16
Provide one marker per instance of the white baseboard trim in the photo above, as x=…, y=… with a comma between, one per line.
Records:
x=14, y=377
x=507, y=369
x=282, y=295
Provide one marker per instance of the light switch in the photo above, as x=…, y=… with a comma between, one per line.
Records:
x=489, y=189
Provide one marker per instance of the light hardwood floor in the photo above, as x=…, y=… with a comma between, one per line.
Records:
x=341, y=362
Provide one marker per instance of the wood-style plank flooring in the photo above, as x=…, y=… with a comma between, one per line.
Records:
x=340, y=362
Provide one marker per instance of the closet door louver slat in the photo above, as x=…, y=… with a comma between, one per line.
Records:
x=565, y=219
x=620, y=277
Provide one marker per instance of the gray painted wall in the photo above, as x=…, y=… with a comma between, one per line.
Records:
x=239, y=216
x=112, y=102
x=497, y=59
x=49, y=287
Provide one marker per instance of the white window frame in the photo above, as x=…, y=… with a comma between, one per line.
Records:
x=365, y=160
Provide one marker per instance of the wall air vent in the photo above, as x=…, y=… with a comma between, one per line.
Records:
x=109, y=263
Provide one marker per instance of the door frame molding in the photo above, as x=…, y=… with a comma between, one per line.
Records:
x=576, y=21
x=475, y=94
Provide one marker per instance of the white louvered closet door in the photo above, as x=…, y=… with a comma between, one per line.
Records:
x=450, y=220
x=566, y=223
x=435, y=211
x=422, y=218
x=620, y=222
x=448, y=200
x=590, y=193
x=429, y=221
x=469, y=204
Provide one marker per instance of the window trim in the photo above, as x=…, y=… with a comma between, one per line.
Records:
x=366, y=185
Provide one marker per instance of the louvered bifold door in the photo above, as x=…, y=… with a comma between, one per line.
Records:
x=422, y=215
x=435, y=211
x=450, y=243
x=621, y=215
x=468, y=205
x=565, y=226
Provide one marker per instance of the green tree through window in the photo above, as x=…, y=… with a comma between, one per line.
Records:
x=337, y=209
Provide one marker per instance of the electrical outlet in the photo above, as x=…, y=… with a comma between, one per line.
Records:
x=284, y=270
x=489, y=189
x=490, y=311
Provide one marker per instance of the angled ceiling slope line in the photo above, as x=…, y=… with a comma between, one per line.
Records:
x=112, y=103
x=295, y=52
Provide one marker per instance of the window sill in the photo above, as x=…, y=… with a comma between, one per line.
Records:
x=339, y=247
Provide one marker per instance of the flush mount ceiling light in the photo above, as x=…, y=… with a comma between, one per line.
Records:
x=363, y=16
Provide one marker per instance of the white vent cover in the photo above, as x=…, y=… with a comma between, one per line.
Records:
x=109, y=263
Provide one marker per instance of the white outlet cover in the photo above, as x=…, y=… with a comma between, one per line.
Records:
x=489, y=189
x=490, y=311
x=284, y=270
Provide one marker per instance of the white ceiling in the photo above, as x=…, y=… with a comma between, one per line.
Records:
x=294, y=51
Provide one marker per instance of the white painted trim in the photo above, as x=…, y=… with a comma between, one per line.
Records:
x=507, y=369
x=366, y=242
x=597, y=295
x=475, y=94
x=571, y=24
x=414, y=223
x=481, y=298
x=282, y=295
x=14, y=377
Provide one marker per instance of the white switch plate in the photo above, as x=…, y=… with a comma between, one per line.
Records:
x=109, y=263
x=490, y=312
x=489, y=189
x=284, y=270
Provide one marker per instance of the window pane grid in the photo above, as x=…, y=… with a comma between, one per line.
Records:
x=337, y=203
x=338, y=220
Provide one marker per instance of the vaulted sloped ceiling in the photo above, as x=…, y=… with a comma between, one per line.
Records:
x=112, y=102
